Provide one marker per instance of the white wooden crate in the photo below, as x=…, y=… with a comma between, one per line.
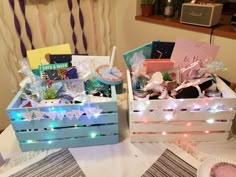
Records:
x=202, y=119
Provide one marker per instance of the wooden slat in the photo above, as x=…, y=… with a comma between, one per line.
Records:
x=68, y=143
x=113, y=93
x=226, y=91
x=204, y=104
x=180, y=127
x=67, y=133
x=15, y=101
x=49, y=123
x=180, y=116
x=221, y=137
x=105, y=106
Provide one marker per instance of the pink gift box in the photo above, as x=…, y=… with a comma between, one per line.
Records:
x=154, y=65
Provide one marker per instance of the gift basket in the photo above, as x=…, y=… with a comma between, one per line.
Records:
x=180, y=96
x=64, y=105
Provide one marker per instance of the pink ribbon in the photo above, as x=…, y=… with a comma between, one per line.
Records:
x=195, y=83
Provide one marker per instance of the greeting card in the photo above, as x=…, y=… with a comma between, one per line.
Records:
x=52, y=71
x=187, y=51
x=37, y=57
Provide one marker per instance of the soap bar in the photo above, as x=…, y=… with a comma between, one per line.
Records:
x=154, y=65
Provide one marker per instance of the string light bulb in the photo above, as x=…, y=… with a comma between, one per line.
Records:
x=163, y=133
x=17, y=115
x=210, y=121
x=189, y=124
x=29, y=141
x=96, y=115
x=50, y=142
x=53, y=125
x=168, y=116
x=93, y=135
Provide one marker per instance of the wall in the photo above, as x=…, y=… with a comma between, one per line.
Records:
x=131, y=34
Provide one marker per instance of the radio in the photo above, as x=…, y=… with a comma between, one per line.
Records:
x=201, y=14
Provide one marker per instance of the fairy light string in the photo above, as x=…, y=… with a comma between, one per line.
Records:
x=18, y=28
x=27, y=26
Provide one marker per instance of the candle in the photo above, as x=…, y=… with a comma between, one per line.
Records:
x=112, y=58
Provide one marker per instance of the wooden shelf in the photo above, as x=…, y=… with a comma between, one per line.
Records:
x=228, y=31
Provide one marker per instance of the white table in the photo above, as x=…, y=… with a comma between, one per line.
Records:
x=124, y=159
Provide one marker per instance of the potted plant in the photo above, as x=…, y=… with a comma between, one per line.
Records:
x=147, y=7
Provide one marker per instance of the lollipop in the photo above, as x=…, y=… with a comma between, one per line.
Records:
x=110, y=75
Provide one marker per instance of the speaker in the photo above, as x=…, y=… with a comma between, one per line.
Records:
x=201, y=14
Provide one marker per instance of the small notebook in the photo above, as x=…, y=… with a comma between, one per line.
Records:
x=60, y=58
x=162, y=49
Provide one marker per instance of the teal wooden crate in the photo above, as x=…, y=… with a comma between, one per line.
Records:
x=74, y=124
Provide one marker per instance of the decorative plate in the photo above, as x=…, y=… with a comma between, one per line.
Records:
x=205, y=168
